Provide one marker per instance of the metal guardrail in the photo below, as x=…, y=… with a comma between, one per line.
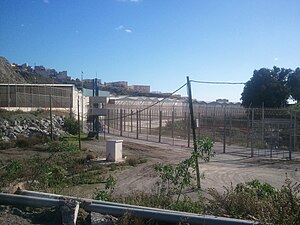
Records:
x=40, y=200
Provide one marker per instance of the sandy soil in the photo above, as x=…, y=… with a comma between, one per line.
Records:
x=223, y=170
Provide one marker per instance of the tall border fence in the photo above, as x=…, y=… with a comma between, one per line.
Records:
x=252, y=132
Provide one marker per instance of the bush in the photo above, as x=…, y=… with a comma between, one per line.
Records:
x=106, y=195
x=62, y=146
x=259, y=201
x=25, y=142
x=10, y=172
x=135, y=161
x=6, y=144
x=71, y=125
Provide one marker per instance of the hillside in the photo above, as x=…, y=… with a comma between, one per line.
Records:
x=9, y=74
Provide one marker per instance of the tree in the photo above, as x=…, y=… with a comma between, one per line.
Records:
x=294, y=84
x=268, y=87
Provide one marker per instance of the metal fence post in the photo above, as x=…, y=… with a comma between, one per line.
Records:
x=108, y=120
x=199, y=119
x=252, y=131
x=160, y=125
x=189, y=130
x=124, y=120
x=295, y=131
x=150, y=122
x=131, y=115
x=147, y=128
x=263, y=126
x=248, y=127
x=121, y=122
x=224, y=133
x=291, y=136
x=185, y=127
x=230, y=127
x=173, y=120
x=214, y=124
x=137, y=124
x=114, y=119
x=140, y=122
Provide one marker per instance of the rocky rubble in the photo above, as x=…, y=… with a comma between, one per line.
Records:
x=11, y=130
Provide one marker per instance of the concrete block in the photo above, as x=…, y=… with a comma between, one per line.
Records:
x=114, y=150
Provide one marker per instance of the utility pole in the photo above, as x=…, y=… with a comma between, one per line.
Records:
x=51, y=124
x=79, y=139
x=82, y=100
x=193, y=125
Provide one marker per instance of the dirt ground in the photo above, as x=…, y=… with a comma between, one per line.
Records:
x=223, y=170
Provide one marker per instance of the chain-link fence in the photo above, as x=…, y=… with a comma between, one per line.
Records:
x=256, y=131
x=36, y=96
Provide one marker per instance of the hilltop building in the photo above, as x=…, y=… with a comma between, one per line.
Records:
x=123, y=84
x=140, y=88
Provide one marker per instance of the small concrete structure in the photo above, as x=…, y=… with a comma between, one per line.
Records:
x=114, y=150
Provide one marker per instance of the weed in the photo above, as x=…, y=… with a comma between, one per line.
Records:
x=106, y=195
x=12, y=171
x=25, y=142
x=135, y=161
x=259, y=201
x=6, y=145
x=62, y=146
x=71, y=125
x=177, y=177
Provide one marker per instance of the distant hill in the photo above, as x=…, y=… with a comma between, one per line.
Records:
x=9, y=74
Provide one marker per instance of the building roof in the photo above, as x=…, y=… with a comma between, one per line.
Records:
x=53, y=85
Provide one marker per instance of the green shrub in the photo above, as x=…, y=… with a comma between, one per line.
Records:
x=6, y=144
x=56, y=176
x=106, y=195
x=189, y=205
x=62, y=146
x=259, y=201
x=135, y=161
x=147, y=199
x=10, y=172
x=256, y=188
x=71, y=125
x=25, y=142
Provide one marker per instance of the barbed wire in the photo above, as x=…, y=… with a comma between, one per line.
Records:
x=217, y=82
x=141, y=110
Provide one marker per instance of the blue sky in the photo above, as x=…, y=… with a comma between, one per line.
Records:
x=154, y=42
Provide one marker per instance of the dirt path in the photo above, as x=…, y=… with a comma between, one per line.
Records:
x=223, y=170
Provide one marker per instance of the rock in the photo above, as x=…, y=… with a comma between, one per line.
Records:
x=69, y=211
x=18, y=129
x=45, y=132
x=2, y=127
x=91, y=155
x=5, y=139
x=23, y=122
x=32, y=124
x=100, y=219
x=12, y=136
x=5, y=123
x=30, y=127
x=34, y=129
